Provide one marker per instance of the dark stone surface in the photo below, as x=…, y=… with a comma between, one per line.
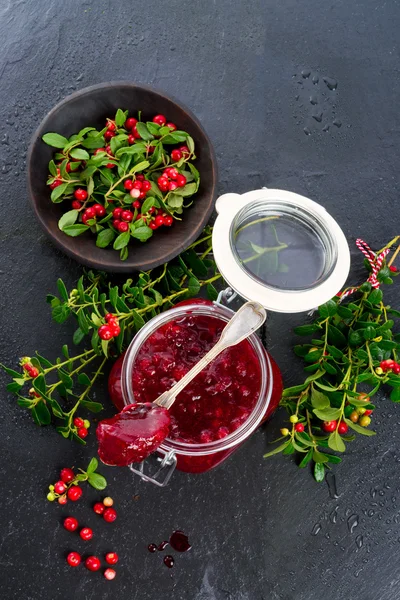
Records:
x=238, y=67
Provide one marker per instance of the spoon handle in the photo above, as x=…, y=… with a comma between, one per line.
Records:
x=245, y=322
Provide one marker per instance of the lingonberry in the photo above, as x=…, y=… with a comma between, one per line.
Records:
x=135, y=133
x=111, y=125
x=285, y=431
x=109, y=151
x=329, y=426
x=74, y=559
x=185, y=150
x=62, y=499
x=135, y=193
x=146, y=186
x=138, y=184
x=108, y=135
x=86, y=423
x=160, y=120
x=71, y=524
x=99, y=508
x=136, y=204
x=163, y=183
x=92, y=563
x=78, y=422
x=76, y=204
x=115, y=329
x=128, y=184
x=111, y=558
x=171, y=172
x=60, y=487
x=131, y=122
x=150, y=149
x=82, y=432
x=110, y=574
x=388, y=364
x=55, y=184
x=127, y=215
x=110, y=165
x=110, y=515
x=364, y=421
x=74, y=493
x=116, y=223
x=153, y=225
x=159, y=220
x=176, y=155
x=396, y=369
x=80, y=194
x=108, y=501
x=105, y=332
x=140, y=216
x=34, y=372
x=123, y=227
x=168, y=221
x=90, y=212
x=172, y=126
x=68, y=167
x=151, y=210
x=343, y=428
x=354, y=416
x=109, y=317
x=86, y=533
x=99, y=150
x=140, y=177
x=99, y=209
x=67, y=475
x=142, y=195
x=393, y=268
x=131, y=139
x=299, y=427
x=117, y=213
x=293, y=418
x=172, y=185
x=368, y=412
x=180, y=180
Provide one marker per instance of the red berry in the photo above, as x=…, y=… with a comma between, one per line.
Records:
x=117, y=213
x=92, y=563
x=299, y=427
x=142, y=195
x=176, y=155
x=368, y=412
x=160, y=120
x=151, y=210
x=131, y=122
x=393, y=268
x=185, y=150
x=99, y=150
x=90, y=212
x=343, y=428
x=104, y=331
x=71, y=524
x=55, y=184
x=108, y=135
x=172, y=126
x=98, y=508
x=146, y=186
x=135, y=193
x=112, y=558
x=82, y=432
x=68, y=167
x=74, y=493
x=136, y=204
x=171, y=172
x=159, y=220
x=73, y=559
x=153, y=225
x=111, y=125
x=172, y=185
x=78, y=422
x=329, y=426
x=150, y=149
x=110, y=165
x=80, y=194
x=110, y=574
x=34, y=372
x=128, y=184
x=140, y=216
x=116, y=330
x=62, y=499
x=138, y=184
x=168, y=221
x=110, y=317
x=163, y=183
x=59, y=487
x=181, y=180
x=131, y=139
x=396, y=369
x=140, y=177
x=116, y=223
x=99, y=209
x=123, y=227
x=67, y=475
x=86, y=533
x=127, y=215
x=109, y=151
x=109, y=515
x=76, y=204
x=135, y=133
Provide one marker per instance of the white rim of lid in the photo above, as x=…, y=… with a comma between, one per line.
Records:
x=283, y=301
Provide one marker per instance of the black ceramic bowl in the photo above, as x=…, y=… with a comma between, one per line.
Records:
x=91, y=106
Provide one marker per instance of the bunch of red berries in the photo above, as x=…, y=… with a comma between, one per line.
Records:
x=82, y=426
x=390, y=365
x=66, y=488
x=111, y=329
x=29, y=368
x=170, y=180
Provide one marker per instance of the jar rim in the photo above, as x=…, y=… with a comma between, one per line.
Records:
x=265, y=393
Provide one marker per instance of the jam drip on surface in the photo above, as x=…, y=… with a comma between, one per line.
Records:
x=133, y=434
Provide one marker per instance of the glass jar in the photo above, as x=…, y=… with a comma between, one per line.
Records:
x=201, y=457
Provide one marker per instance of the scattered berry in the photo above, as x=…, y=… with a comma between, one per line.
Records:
x=110, y=515
x=108, y=135
x=98, y=508
x=74, y=559
x=99, y=210
x=108, y=501
x=82, y=432
x=393, y=268
x=127, y=215
x=163, y=183
x=92, y=563
x=67, y=475
x=74, y=493
x=117, y=213
x=185, y=150
x=112, y=558
x=71, y=524
x=172, y=185
x=55, y=184
x=110, y=574
x=60, y=487
x=34, y=372
x=78, y=422
x=159, y=220
x=171, y=172
x=146, y=186
x=354, y=416
x=86, y=533
x=99, y=150
x=62, y=499
x=136, y=204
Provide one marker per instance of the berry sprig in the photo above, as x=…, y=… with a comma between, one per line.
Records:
x=352, y=354
x=68, y=488
x=107, y=173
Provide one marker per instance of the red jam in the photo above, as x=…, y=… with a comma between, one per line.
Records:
x=219, y=400
x=133, y=434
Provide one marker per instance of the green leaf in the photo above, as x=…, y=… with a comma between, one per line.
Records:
x=190, y=144
x=395, y=395
x=335, y=460
x=80, y=154
x=356, y=338
x=277, y=449
x=55, y=140
x=188, y=190
x=142, y=233
x=336, y=443
x=336, y=337
x=359, y=429
x=140, y=166
x=327, y=414
x=193, y=286
x=319, y=400
x=96, y=480
x=375, y=296
x=94, y=407
x=143, y=131
x=294, y=390
x=328, y=309
x=369, y=333
x=83, y=379
x=39, y=384
x=122, y=240
x=78, y=336
x=56, y=194
x=104, y=347
x=319, y=457
x=23, y=402
x=105, y=237
x=10, y=372
x=344, y=312
x=306, y=329
x=319, y=472
x=42, y=413
x=212, y=293
x=92, y=466
x=335, y=352
x=130, y=150
x=120, y=117
x=75, y=230
x=14, y=387
x=175, y=200
x=62, y=290
x=154, y=128
x=65, y=378
x=147, y=204
x=194, y=171
x=306, y=459
x=315, y=376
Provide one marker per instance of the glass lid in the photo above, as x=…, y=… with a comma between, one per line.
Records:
x=280, y=249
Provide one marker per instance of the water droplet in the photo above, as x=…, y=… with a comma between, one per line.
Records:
x=381, y=493
x=306, y=130
x=330, y=477
x=297, y=97
x=371, y=512
x=333, y=515
x=4, y=139
x=330, y=82
x=305, y=74
x=337, y=123
x=316, y=529
x=327, y=535
x=359, y=541
x=372, y=492
x=326, y=127
x=314, y=100
x=315, y=79
x=317, y=116
x=352, y=522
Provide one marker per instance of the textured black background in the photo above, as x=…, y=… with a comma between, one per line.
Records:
x=238, y=66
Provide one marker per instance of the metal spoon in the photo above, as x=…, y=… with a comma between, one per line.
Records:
x=245, y=322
